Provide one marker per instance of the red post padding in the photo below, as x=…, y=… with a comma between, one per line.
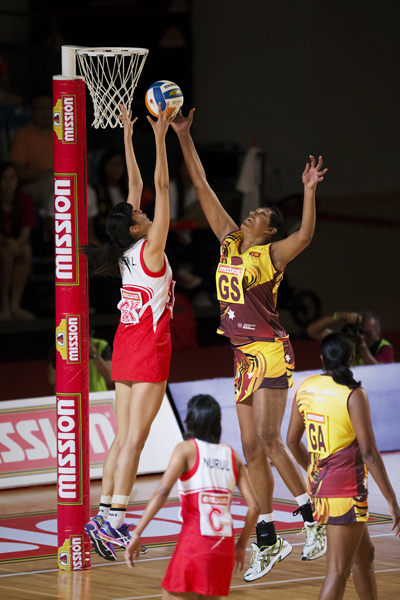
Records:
x=70, y=214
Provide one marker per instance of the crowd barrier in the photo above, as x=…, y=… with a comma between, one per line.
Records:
x=382, y=383
x=28, y=440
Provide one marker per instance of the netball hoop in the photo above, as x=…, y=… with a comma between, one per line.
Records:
x=111, y=75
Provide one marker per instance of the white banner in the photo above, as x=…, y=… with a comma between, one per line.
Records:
x=28, y=440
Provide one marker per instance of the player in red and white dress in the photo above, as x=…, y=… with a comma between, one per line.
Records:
x=253, y=259
x=207, y=472
x=142, y=344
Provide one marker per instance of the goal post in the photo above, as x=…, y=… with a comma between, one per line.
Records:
x=71, y=280
x=111, y=75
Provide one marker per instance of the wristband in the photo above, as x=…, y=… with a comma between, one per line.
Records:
x=335, y=316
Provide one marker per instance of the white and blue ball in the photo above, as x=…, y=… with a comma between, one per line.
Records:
x=164, y=91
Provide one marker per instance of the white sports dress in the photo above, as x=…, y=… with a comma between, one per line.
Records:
x=204, y=556
x=142, y=343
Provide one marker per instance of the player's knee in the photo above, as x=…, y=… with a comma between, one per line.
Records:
x=269, y=440
x=365, y=556
x=135, y=443
x=341, y=573
x=252, y=452
x=118, y=442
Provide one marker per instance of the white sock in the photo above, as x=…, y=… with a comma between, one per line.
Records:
x=116, y=517
x=303, y=499
x=267, y=518
x=105, y=505
x=104, y=510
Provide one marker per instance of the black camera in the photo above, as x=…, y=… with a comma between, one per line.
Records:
x=352, y=330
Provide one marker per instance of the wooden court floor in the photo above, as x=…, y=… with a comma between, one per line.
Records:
x=290, y=580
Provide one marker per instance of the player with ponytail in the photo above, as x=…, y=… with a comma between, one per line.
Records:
x=333, y=408
x=142, y=344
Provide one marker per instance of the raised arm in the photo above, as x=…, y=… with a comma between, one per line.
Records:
x=217, y=217
x=177, y=466
x=360, y=416
x=319, y=329
x=153, y=253
x=244, y=485
x=134, y=177
x=286, y=250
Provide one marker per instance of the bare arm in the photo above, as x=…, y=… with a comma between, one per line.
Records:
x=319, y=329
x=134, y=177
x=178, y=465
x=360, y=416
x=294, y=435
x=153, y=253
x=217, y=217
x=286, y=250
x=247, y=492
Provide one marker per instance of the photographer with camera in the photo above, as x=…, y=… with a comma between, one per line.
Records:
x=364, y=329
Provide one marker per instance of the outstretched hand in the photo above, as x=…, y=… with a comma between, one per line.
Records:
x=126, y=117
x=312, y=174
x=239, y=557
x=395, y=513
x=164, y=120
x=182, y=124
x=132, y=552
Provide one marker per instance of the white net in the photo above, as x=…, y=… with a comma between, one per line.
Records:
x=111, y=75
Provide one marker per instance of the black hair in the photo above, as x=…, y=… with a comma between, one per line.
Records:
x=105, y=259
x=16, y=208
x=203, y=419
x=276, y=220
x=337, y=353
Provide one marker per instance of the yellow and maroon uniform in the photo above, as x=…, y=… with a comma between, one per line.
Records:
x=247, y=287
x=336, y=474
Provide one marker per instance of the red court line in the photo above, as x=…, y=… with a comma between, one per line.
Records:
x=32, y=536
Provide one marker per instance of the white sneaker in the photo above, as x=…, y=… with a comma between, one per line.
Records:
x=315, y=545
x=262, y=561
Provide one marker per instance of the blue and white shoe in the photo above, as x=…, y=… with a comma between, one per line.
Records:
x=101, y=547
x=120, y=537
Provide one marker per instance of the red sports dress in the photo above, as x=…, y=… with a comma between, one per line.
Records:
x=142, y=343
x=204, y=556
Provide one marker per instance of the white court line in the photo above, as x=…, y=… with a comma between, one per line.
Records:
x=106, y=564
x=247, y=585
x=142, y=560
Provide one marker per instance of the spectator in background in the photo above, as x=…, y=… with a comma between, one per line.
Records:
x=100, y=355
x=32, y=150
x=364, y=329
x=7, y=96
x=111, y=190
x=17, y=217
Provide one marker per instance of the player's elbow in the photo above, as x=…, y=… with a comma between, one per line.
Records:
x=163, y=492
x=306, y=238
x=291, y=442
